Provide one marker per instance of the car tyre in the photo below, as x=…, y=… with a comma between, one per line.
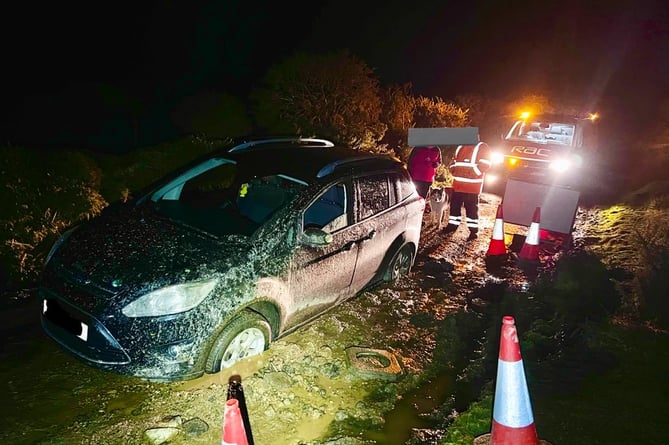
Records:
x=400, y=265
x=246, y=335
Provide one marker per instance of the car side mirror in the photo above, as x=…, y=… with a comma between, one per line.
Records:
x=315, y=237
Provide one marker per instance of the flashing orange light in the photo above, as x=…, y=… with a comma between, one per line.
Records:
x=524, y=115
x=593, y=116
x=512, y=161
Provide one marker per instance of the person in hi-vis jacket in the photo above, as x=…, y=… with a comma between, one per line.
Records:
x=468, y=168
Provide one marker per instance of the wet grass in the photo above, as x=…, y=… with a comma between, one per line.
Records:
x=616, y=395
x=591, y=381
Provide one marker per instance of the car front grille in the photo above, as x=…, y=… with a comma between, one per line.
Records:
x=67, y=317
x=89, y=297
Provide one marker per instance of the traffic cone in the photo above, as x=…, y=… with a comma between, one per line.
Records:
x=512, y=419
x=530, y=250
x=233, y=426
x=236, y=391
x=497, y=245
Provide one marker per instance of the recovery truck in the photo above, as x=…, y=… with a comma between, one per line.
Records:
x=544, y=161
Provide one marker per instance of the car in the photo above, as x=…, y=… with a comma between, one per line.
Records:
x=215, y=261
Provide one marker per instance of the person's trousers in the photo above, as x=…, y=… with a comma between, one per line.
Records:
x=470, y=201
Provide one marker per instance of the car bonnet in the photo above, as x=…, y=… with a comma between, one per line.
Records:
x=136, y=249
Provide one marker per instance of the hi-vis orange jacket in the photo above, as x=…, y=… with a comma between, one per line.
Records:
x=468, y=167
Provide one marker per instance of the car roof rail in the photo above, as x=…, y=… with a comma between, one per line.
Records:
x=298, y=140
x=329, y=168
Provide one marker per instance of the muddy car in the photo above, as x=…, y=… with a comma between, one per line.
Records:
x=214, y=262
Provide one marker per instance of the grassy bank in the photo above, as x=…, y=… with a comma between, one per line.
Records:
x=616, y=395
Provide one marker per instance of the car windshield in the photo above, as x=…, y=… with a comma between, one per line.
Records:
x=222, y=198
x=543, y=132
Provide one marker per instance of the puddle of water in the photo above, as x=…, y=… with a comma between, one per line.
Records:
x=414, y=411
x=70, y=392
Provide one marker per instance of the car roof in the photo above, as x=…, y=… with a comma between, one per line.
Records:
x=558, y=118
x=311, y=163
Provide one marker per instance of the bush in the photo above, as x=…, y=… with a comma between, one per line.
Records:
x=43, y=193
x=123, y=175
x=653, y=278
x=46, y=192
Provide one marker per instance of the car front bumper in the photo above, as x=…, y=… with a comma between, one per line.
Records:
x=142, y=351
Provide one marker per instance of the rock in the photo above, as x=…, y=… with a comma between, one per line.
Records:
x=171, y=422
x=279, y=380
x=195, y=427
x=160, y=435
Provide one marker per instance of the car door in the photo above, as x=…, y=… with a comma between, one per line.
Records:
x=321, y=275
x=379, y=221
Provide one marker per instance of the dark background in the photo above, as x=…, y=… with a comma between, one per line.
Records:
x=612, y=56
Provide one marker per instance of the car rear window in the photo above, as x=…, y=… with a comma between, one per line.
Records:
x=374, y=195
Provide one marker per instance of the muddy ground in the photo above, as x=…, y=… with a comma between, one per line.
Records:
x=309, y=388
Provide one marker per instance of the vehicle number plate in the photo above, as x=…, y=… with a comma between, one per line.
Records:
x=53, y=312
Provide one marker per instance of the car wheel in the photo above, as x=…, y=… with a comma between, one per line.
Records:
x=246, y=335
x=400, y=265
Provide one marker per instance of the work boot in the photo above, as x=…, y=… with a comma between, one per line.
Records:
x=473, y=234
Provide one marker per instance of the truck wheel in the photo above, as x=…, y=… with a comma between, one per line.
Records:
x=400, y=265
x=246, y=335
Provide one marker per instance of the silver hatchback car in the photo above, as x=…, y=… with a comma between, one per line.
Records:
x=212, y=263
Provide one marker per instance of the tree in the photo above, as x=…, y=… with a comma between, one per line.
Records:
x=335, y=96
x=435, y=112
x=485, y=113
x=398, y=115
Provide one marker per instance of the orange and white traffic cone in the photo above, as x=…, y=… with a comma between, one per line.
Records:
x=497, y=246
x=512, y=419
x=530, y=250
x=233, y=425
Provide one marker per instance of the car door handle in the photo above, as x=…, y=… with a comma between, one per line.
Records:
x=369, y=236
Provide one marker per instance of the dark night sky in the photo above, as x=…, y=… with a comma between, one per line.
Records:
x=614, y=52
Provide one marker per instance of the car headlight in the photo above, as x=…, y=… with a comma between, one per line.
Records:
x=496, y=158
x=170, y=300
x=59, y=242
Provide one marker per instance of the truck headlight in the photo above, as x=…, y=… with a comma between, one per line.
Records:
x=170, y=300
x=496, y=158
x=560, y=165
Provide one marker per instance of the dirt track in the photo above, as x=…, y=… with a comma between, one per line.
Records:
x=294, y=391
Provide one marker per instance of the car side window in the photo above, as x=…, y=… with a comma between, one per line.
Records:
x=374, y=195
x=330, y=210
x=406, y=185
